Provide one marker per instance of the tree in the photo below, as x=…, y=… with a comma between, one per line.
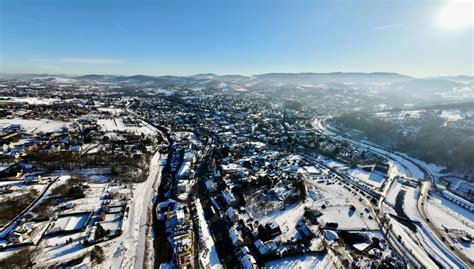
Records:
x=75, y=192
x=24, y=258
x=97, y=255
x=99, y=232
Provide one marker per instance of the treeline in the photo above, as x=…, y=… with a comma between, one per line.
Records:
x=123, y=167
x=431, y=142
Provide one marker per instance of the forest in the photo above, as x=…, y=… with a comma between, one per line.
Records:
x=432, y=142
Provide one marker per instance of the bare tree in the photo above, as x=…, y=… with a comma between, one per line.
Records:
x=24, y=258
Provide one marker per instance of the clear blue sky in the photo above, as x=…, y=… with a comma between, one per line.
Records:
x=235, y=37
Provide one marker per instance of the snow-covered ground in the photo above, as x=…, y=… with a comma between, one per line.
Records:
x=422, y=243
x=337, y=201
x=392, y=193
x=410, y=243
x=31, y=100
x=301, y=261
x=117, y=124
x=35, y=126
x=373, y=179
x=69, y=223
x=447, y=215
x=210, y=257
x=129, y=251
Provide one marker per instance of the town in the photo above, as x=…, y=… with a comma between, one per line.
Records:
x=203, y=173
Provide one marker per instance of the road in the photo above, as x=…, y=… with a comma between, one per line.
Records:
x=154, y=177
x=445, y=253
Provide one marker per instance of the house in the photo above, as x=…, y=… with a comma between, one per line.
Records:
x=229, y=198
x=248, y=262
x=235, y=237
x=268, y=247
x=273, y=229
x=232, y=215
x=16, y=238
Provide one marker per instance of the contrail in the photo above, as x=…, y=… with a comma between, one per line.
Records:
x=389, y=26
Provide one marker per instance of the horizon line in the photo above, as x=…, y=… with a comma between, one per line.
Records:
x=230, y=74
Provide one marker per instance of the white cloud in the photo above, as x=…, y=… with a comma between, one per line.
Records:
x=91, y=61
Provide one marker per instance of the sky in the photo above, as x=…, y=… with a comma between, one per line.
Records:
x=178, y=37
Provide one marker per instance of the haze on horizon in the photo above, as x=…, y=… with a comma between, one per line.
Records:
x=418, y=38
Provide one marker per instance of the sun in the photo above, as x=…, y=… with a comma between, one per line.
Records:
x=456, y=15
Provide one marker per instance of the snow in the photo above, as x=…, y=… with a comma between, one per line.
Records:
x=60, y=80
x=312, y=170
x=337, y=201
x=451, y=207
x=444, y=217
x=286, y=219
x=361, y=246
x=128, y=251
x=4, y=166
x=396, y=170
x=112, y=221
x=453, y=115
x=111, y=125
x=97, y=175
x=334, y=164
x=31, y=100
x=405, y=162
x=348, y=219
x=302, y=261
x=423, y=242
x=211, y=258
x=391, y=196
x=371, y=178
x=436, y=249
x=111, y=110
x=35, y=126
x=410, y=242
x=143, y=199
x=410, y=206
x=69, y=223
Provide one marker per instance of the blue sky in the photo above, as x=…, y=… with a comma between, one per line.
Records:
x=234, y=37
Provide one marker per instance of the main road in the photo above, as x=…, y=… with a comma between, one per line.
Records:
x=145, y=199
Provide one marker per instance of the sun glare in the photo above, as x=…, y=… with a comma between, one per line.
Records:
x=456, y=15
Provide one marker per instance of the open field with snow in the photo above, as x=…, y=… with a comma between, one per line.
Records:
x=301, y=261
x=373, y=179
x=118, y=125
x=30, y=100
x=35, y=126
x=69, y=223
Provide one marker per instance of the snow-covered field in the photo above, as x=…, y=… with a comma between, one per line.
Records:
x=111, y=125
x=30, y=100
x=69, y=223
x=373, y=179
x=392, y=193
x=302, y=261
x=35, y=126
